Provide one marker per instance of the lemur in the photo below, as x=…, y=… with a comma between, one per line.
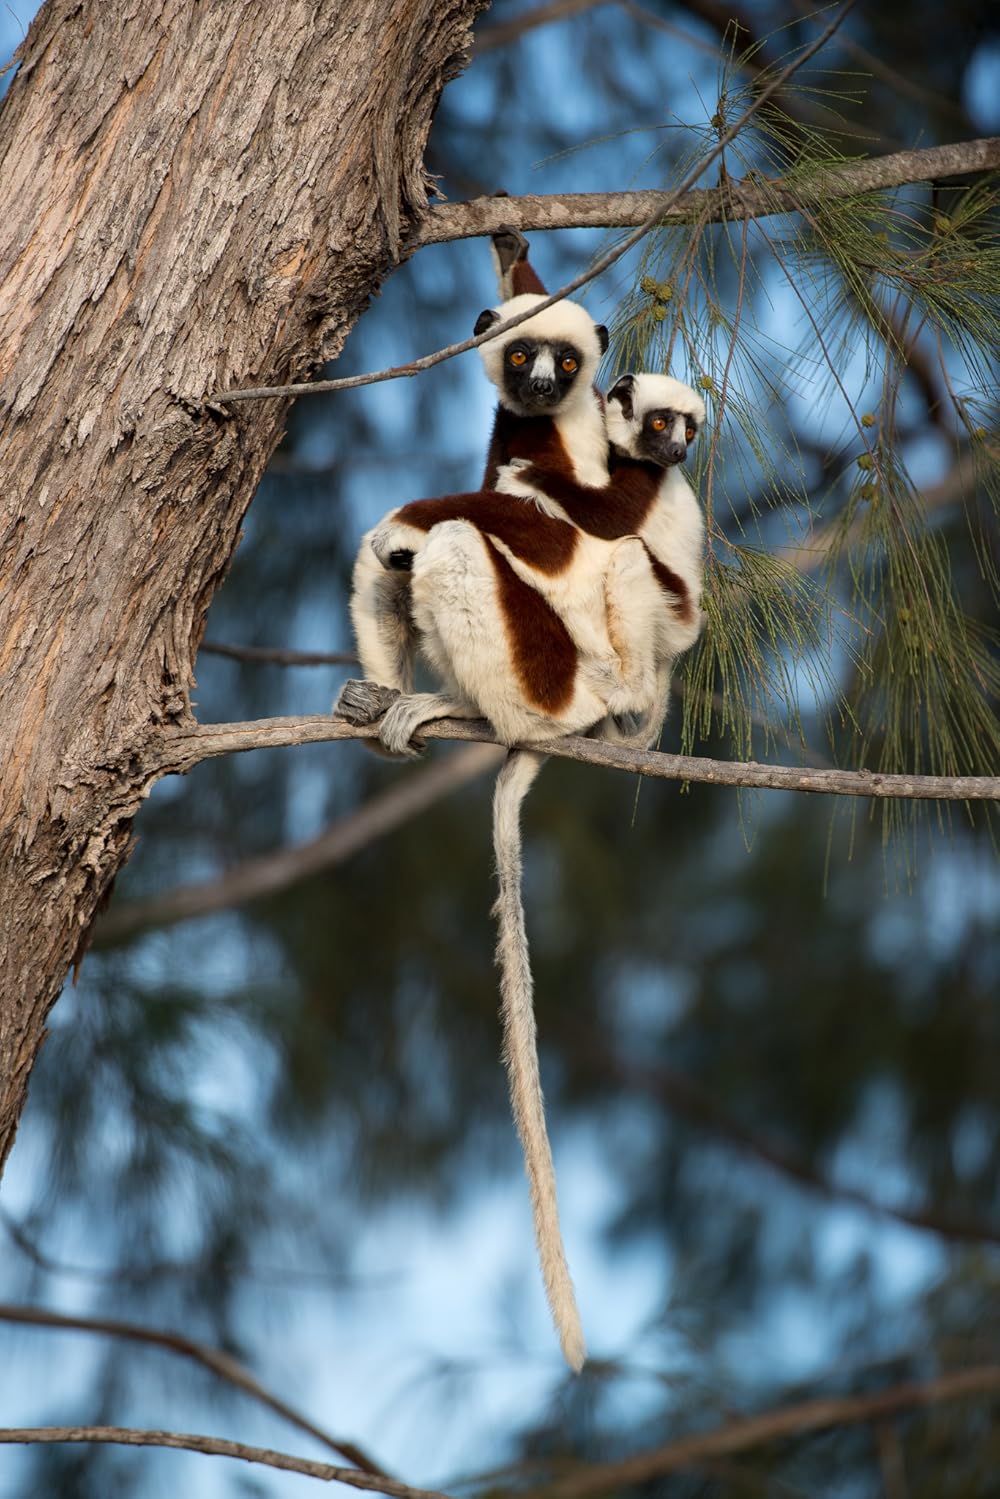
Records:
x=630, y=608
x=521, y=674
x=651, y=421
x=626, y=581
x=669, y=416
x=486, y=572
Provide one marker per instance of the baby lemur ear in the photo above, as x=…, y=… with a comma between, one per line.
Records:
x=603, y=337
x=485, y=320
x=622, y=391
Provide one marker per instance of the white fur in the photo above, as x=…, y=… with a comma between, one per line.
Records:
x=674, y=531
x=544, y=366
x=383, y=626
x=463, y=634
x=584, y=437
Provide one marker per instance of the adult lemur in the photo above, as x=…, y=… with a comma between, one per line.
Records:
x=630, y=605
x=541, y=609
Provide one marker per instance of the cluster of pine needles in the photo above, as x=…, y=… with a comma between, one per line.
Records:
x=841, y=588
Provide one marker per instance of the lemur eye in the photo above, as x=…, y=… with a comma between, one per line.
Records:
x=691, y=433
x=518, y=357
x=569, y=365
x=659, y=424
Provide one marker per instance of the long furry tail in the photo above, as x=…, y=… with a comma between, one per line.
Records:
x=521, y=1051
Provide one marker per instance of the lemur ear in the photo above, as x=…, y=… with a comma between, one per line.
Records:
x=622, y=391
x=485, y=320
x=603, y=338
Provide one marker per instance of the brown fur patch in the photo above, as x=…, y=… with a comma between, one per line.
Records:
x=524, y=278
x=617, y=509
x=541, y=648
x=533, y=437
x=544, y=541
x=668, y=580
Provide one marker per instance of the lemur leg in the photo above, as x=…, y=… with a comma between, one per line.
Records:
x=480, y=630
x=634, y=601
x=383, y=621
x=395, y=543
x=641, y=730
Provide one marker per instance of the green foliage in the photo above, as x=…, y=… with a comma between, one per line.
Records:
x=873, y=611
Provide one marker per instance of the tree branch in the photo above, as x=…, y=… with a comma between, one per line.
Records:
x=770, y=1426
x=213, y=1359
x=734, y=200
x=129, y=1436
x=155, y=1269
x=502, y=33
x=253, y=879
x=689, y=1452
x=181, y=749
x=662, y=203
x=270, y=656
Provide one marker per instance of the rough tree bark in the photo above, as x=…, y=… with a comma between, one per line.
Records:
x=194, y=197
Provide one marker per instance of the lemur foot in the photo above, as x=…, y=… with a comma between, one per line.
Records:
x=634, y=730
x=510, y=244
x=404, y=717
x=363, y=702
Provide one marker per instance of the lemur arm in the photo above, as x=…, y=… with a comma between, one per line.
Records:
x=383, y=624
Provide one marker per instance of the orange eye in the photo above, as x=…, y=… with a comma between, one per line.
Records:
x=658, y=424
x=518, y=357
x=570, y=365
x=691, y=433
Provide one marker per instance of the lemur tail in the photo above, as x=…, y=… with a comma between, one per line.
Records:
x=520, y=1050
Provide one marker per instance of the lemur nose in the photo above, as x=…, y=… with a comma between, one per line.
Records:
x=542, y=386
x=676, y=452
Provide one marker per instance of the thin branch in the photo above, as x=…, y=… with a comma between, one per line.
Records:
x=898, y=82
x=156, y=1269
x=271, y=656
x=213, y=1359
x=648, y=17
x=130, y=1436
x=736, y=1436
x=253, y=879
x=505, y=32
x=777, y=1425
x=753, y=199
x=180, y=750
x=663, y=202
x=267, y=874
x=502, y=33
x=696, y=1105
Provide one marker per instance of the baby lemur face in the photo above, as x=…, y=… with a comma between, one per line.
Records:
x=654, y=418
x=548, y=362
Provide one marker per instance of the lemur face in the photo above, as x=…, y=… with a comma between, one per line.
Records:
x=537, y=376
x=654, y=418
x=542, y=365
x=664, y=436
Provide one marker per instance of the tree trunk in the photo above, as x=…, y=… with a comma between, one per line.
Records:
x=195, y=197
